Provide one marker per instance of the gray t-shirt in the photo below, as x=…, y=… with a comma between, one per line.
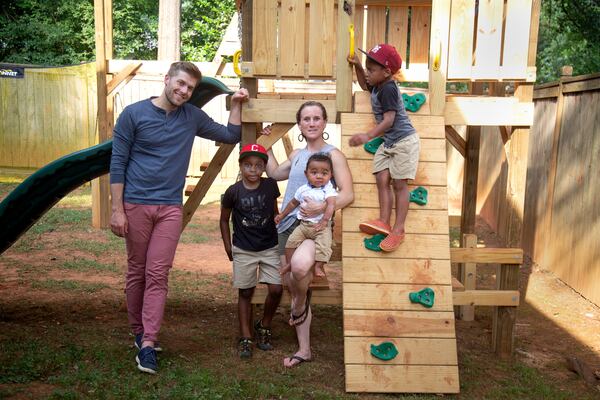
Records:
x=387, y=98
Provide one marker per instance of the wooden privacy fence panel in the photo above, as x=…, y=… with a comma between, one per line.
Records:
x=563, y=212
x=489, y=40
x=49, y=113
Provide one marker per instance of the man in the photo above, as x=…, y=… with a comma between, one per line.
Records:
x=152, y=144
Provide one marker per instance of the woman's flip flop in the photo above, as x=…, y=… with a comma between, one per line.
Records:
x=297, y=358
x=296, y=320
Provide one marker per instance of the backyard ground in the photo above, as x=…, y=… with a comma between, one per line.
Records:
x=64, y=334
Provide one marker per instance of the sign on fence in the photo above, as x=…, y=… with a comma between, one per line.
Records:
x=11, y=72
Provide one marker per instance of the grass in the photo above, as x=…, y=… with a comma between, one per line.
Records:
x=85, y=265
x=68, y=285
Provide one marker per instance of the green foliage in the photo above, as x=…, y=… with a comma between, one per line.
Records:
x=569, y=35
x=61, y=32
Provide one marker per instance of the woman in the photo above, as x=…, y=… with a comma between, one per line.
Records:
x=311, y=119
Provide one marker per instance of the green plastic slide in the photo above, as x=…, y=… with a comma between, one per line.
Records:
x=45, y=187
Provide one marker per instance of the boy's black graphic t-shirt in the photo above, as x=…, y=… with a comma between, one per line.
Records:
x=253, y=214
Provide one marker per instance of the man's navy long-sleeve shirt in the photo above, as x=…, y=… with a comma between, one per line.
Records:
x=151, y=149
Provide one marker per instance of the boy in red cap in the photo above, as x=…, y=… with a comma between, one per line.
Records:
x=397, y=157
x=254, y=252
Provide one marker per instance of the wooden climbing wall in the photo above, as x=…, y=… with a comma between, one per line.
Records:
x=376, y=285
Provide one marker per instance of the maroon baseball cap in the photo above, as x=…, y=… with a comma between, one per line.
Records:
x=385, y=55
x=253, y=149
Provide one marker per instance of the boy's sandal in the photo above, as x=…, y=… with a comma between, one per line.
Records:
x=392, y=241
x=375, y=226
x=296, y=320
x=299, y=359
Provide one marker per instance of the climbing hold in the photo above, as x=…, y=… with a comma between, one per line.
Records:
x=372, y=145
x=419, y=196
x=424, y=296
x=414, y=102
x=372, y=243
x=385, y=351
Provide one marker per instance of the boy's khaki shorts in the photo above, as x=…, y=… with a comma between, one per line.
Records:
x=251, y=267
x=401, y=159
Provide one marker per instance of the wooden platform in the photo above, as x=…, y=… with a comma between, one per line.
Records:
x=376, y=285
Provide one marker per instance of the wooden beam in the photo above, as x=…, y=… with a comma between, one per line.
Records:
x=488, y=111
x=343, y=101
x=504, y=318
x=467, y=274
x=127, y=73
x=456, y=140
x=278, y=131
x=249, y=128
x=287, y=144
x=207, y=179
x=505, y=298
x=438, y=55
x=169, y=28
x=101, y=186
x=487, y=255
x=273, y=110
x=505, y=133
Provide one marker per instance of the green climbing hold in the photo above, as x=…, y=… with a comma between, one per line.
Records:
x=372, y=243
x=414, y=102
x=372, y=145
x=385, y=351
x=425, y=297
x=419, y=196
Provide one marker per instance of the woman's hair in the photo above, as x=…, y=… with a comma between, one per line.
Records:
x=310, y=104
x=320, y=157
x=187, y=67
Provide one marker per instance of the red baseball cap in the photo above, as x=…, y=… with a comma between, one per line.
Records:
x=254, y=149
x=385, y=55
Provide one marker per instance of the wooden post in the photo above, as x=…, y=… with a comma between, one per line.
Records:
x=343, y=80
x=469, y=195
x=249, y=130
x=169, y=28
x=438, y=55
x=100, y=186
x=504, y=318
x=467, y=273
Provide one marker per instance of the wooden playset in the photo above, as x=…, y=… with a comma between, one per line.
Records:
x=398, y=307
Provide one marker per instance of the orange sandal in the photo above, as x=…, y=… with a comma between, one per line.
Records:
x=392, y=241
x=374, y=227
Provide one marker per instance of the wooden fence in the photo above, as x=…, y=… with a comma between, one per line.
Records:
x=561, y=221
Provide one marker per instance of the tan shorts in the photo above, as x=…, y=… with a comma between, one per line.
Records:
x=401, y=159
x=251, y=267
x=322, y=238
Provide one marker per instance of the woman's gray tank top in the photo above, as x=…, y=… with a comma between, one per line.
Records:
x=295, y=180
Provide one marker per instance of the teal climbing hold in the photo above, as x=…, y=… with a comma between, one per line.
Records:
x=419, y=196
x=385, y=351
x=372, y=243
x=372, y=145
x=414, y=102
x=424, y=296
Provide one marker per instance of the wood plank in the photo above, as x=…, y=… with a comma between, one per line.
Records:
x=507, y=298
x=491, y=111
x=264, y=37
x=321, y=36
x=431, y=150
x=457, y=286
x=414, y=246
x=377, y=270
x=127, y=73
x=417, y=221
x=357, y=350
x=516, y=48
x=362, y=99
x=278, y=130
x=359, y=30
x=430, y=324
x=428, y=173
x=376, y=23
x=419, y=34
x=364, y=196
x=471, y=173
x=292, y=16
x=398, y=31
x=489, y=40
x=467, y=273
x=428, y=127
x=438, y=56
x=486, y=255
x=462, y=25
x=325, y=297
x=401, y=378
x=344, y=70
x=504, y=318
x=454, y=138
x=386, y=296
x=273, y=110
